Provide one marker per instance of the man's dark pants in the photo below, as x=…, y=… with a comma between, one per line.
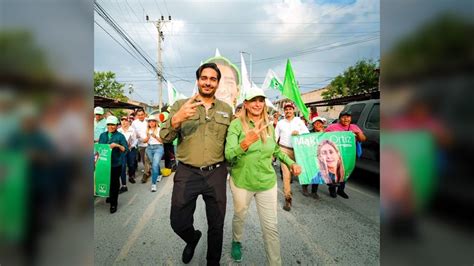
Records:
x=114, y=184
x=189, y=183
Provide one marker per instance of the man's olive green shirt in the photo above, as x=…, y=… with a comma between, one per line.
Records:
x=201, y=138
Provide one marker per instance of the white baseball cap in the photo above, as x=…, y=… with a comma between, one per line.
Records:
x=112, y=120
x=98, y=110
x=254, y=92
x=152, y=118
x=318, y=118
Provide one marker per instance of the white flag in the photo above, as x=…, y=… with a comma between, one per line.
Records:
x=173, y=94
x=245, y=80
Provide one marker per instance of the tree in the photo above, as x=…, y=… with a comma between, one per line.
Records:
x=359, y=78
x=440, y=47
x=105, y=85
x=21, y=56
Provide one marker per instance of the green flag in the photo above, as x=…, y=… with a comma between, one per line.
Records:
x=272, y=82
x=291, y=90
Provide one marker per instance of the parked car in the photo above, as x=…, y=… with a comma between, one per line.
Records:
x=366, y=115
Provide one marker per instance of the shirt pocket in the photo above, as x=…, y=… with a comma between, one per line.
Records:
x=220, y=126
x=189, y=127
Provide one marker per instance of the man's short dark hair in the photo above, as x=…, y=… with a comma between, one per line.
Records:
x=140, y=110
x=208, y=65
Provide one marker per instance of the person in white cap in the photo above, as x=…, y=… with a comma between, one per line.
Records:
x=119, y=147
x=99, y=123
x=250, y=147
x=285, y=129
x=154, y=150
x=318, y=123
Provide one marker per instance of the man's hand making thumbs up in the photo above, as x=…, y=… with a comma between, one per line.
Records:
x=186, y=111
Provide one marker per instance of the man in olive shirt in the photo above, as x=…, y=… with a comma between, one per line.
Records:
x=200, y=123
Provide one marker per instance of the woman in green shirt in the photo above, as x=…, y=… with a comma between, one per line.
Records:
x=250, y=146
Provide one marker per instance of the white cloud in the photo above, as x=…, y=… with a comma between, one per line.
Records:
x=271, y=32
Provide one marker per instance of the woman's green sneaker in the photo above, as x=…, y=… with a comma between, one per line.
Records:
x=236, y=253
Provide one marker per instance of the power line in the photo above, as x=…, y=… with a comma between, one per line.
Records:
x=128, y=40
x=127, y=50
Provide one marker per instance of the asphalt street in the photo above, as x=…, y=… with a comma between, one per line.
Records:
x=327, y=231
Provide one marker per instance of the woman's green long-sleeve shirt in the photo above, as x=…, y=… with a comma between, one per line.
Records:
x=252, y=169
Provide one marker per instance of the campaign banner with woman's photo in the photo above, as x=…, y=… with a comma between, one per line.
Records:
x=325, y=158
x=102, y=164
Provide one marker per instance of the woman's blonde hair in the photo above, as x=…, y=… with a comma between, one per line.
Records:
x=155, y=131
x=322, y=164
x=244, y=119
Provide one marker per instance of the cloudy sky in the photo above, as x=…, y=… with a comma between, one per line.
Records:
x=321, y=38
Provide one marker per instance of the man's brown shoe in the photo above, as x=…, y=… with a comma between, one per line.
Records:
x=287, y=206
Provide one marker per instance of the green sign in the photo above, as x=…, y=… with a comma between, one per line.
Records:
x=415, y=152
x=102, y=166
x=325, y=158
x=13, y=196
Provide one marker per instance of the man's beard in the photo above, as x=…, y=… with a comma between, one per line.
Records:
x=206, y=95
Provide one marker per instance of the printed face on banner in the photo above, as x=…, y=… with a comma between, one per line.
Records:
x=326, y=158
x=228, y=88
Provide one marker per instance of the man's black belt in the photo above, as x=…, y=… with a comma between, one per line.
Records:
x=203, y=168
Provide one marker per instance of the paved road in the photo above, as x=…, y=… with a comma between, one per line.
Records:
x=316, y=232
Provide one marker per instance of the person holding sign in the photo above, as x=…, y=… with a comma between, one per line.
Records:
x=318, y=123
x=344, y=124
x=285, y=129
x=250, y=146
x=119, y=147
x=130, y=158
x=200, y=123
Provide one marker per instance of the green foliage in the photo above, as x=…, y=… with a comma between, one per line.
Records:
x=118, y=112
x=20, y=55
x=359, y=78
x=443, y=44
x=105, y=85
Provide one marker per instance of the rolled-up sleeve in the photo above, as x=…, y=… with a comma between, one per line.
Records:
x=232, y=146
x=167, y=132
x=282, y=156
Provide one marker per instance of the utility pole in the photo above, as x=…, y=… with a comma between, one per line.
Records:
x=161, y=38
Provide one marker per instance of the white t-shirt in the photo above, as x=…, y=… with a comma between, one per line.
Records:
x=140, y=128
x=130, y=136
x=284, y=128
x=152, y=140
